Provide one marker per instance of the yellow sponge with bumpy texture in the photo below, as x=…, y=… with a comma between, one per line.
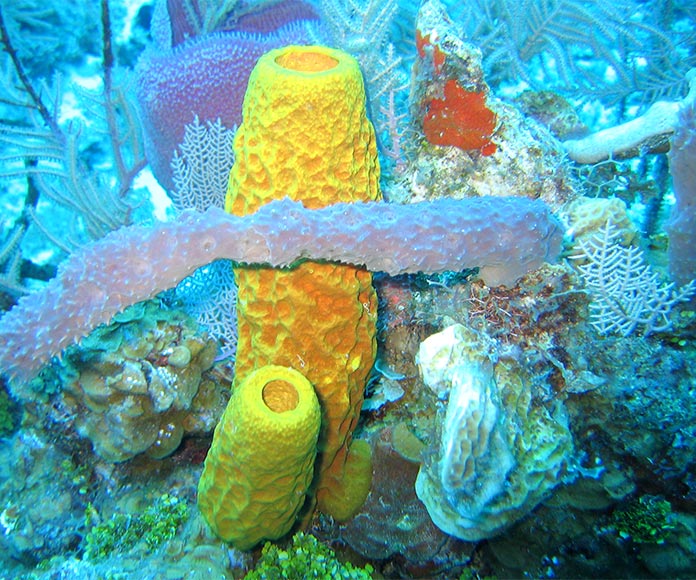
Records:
x=260, y=465
x=305, y=135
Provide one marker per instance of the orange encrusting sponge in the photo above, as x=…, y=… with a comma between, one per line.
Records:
x=461, y=119
x=305, y=135
x=261, y=463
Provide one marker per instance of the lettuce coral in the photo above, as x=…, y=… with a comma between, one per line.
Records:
x=499, y=453
x=136, y=385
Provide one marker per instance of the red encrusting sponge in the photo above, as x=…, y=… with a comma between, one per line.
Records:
x=461, y=120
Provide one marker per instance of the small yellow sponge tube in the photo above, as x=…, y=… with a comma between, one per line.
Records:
x=305, y=135
x=260, y=465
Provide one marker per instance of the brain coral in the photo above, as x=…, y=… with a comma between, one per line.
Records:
x=185, y=74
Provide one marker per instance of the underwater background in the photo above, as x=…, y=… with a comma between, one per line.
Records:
x=481, y=365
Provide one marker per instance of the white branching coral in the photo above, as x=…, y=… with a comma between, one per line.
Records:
x=626, y=293
x=359, y=26
x=11, y=261
x=200, y=171
x=210, y=296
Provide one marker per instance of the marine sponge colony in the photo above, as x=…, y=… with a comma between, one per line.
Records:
x=305, y=135
x=497, y=366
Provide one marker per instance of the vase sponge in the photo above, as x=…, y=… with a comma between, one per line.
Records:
x=305, y=135
x=261, y=461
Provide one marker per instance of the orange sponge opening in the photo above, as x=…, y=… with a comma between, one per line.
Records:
x=280, y=396
x=306, y=61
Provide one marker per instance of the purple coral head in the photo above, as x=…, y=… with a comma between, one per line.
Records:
x=184, y=75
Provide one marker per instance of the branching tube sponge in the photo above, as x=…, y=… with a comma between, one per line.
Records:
x=305, y=135
x=261, y=462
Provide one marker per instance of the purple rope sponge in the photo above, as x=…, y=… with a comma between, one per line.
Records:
x=505, y=237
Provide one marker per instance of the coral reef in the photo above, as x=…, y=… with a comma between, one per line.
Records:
x=550, y=431
x=638, y=426
x=628, y=432
x=40, y=510
x=589, y=216
x=140, y=515
x=507, y=153
x=305, y=135
x=261, y=462
x=136, y=386
x=500, y=453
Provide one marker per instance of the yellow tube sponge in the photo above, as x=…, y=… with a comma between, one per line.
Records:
x=261, y=462
x=305, y=135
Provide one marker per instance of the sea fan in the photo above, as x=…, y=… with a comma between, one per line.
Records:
x=210, y=296
x=609, y=49
x=200, y=171
x=625, y=292
x=201, y=166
